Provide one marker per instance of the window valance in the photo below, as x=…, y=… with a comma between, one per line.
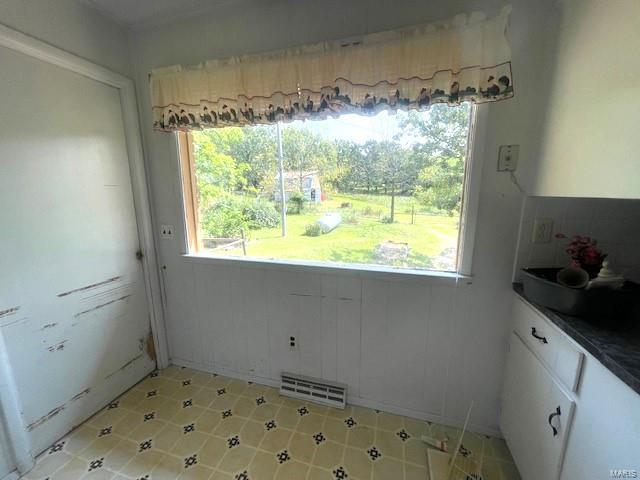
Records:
x=465, y=59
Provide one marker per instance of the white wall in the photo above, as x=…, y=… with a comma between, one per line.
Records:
x=71, y=26
x=615, y=223
x=419, y=346
x=590, y=144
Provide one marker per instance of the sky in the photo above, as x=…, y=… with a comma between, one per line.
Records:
x=357, y=128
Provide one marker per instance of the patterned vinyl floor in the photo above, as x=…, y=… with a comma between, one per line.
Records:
x=184, y=423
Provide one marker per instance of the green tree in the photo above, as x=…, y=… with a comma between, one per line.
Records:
x=396, y=169
x=439, y=154
x=441, y=133
x=253, y=148
x=348, y=155
x=440, y=184
x=303, y=152
x=216, y=172
x=218, y=176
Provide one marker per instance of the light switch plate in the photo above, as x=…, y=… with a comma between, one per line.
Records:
x=542, y=230
x=508, y=158
x=166, y=231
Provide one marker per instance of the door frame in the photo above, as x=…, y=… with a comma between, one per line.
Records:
x=19, y=42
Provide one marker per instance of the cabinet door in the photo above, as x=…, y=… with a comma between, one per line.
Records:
x=536, y=414
x=551, y=346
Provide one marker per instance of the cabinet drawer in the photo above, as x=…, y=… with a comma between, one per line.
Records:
x=536, y=414
x=551, y=346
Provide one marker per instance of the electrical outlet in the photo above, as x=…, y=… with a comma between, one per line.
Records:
x=166, y=231
x=293, y=344
x=508, y=158
x=542, y=230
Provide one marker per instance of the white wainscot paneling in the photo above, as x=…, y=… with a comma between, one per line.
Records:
x=391, y=341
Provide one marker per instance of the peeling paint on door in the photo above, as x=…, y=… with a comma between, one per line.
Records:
x=15, y=322
x=85, y=271
x=9, y=311
x=125, y=366
x=90, y=287
x=45, y=418
x=58, y=346
x=115, y=290
x=81, y=394
x=102, y=305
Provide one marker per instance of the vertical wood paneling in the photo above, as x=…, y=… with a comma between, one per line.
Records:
x=329, y=332
x=438, y=348
x=407, y=331
x=463, y=356
x=310, y=334
x=212, y=334
x=348, y=332
x=185, y=310
x=283, y=311
x=254, y=324
x=410, y=345
x=375, y=339
x=240, y=290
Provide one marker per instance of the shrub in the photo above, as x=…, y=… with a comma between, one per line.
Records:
x=350, y=217
x=386, y=219
x=224, y=218
x=345, y=205
x=229, y=214
x=313, y=230
x=369, y=211
x=260, y=213
x=296, y=203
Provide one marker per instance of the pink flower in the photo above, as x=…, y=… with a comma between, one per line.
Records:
x=583, y=251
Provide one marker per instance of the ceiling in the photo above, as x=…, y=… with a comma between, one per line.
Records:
x=143, y=13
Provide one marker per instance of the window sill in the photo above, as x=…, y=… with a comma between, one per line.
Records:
x=365, y=271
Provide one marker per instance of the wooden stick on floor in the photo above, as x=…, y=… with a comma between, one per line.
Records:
x=457, y=449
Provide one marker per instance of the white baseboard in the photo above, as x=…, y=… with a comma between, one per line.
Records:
x=351, y=400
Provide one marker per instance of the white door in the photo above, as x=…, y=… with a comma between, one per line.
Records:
x=73, y=309
x=6, y=462
x=536, y=414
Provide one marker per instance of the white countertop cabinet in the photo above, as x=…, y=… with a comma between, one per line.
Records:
x=564, y=415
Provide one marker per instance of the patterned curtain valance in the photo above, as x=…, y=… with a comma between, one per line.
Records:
x=465, y=59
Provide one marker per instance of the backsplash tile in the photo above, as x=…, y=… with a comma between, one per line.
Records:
x=614, y=223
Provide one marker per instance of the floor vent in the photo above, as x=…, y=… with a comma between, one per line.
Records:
x=313, y=390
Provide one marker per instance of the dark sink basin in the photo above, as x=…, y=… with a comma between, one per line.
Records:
x=601, y=304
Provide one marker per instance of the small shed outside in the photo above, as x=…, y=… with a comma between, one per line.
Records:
x=308, y=183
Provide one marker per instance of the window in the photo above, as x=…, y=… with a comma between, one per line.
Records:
x=383, y=190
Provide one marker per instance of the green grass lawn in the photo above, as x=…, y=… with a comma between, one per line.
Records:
x=428, y=237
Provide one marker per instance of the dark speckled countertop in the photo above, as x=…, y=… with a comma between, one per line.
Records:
x=618, y=350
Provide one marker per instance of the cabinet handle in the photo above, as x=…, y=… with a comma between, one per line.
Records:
x=554, y=414
x=535, y=335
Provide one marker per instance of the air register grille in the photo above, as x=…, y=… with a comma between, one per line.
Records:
x=315, y=390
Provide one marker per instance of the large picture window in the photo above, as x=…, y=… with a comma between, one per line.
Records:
x=383, y=190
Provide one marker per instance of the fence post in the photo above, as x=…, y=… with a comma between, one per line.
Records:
x=244, y=242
